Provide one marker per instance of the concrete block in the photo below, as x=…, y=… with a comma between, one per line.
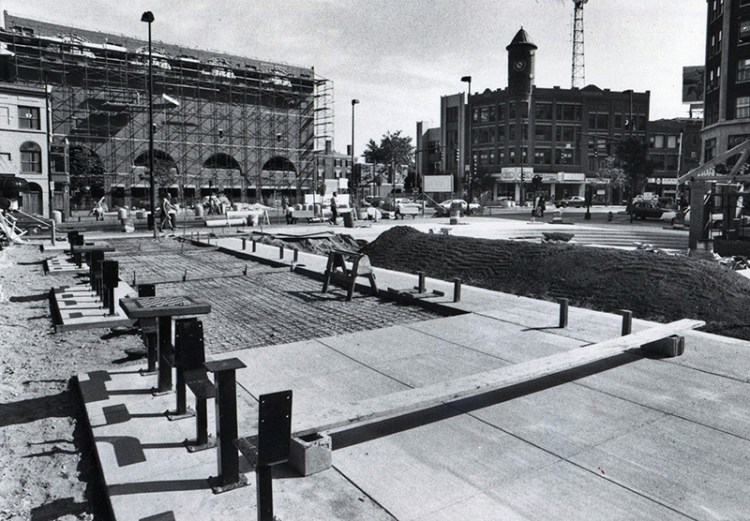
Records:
x=671, y=346
x=310, y=454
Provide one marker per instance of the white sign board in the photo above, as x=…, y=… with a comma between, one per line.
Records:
x=438, y=183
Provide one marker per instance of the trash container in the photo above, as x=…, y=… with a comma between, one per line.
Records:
x=57, y=216
x=122, y=213
x=455, y=212
x=348, y=219
x=127, y=225
x=199, y=210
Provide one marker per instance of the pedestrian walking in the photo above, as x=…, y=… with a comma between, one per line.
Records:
x=167, y=211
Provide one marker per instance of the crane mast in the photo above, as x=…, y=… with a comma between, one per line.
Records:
x=578, y=73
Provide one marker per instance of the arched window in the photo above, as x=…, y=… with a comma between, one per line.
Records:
x=31, y=158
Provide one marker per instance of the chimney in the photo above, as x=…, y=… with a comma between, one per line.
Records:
x=328, y=147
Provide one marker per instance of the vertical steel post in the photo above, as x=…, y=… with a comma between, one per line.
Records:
x=627, y=321
x=225, y=381
x=166, y=354
x=563, y=312
x=456, y=289
x=421, y=285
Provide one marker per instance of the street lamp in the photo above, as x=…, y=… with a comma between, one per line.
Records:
x=467, y=147
x=351, y=175
x=148, y=17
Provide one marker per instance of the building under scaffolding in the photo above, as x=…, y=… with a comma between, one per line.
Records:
x=247, y=127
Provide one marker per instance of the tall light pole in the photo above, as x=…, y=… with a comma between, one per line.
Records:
x=467, y=147
x=351, y=176
x=148, y=17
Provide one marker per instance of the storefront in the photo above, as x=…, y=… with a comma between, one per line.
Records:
x=515, y=183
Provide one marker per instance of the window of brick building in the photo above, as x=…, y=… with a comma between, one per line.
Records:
x=743, y=70
x=28, y=117
x=744, y=32
x=31, y=158
x=743, y=107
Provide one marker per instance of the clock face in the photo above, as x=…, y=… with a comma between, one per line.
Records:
x=519, y=65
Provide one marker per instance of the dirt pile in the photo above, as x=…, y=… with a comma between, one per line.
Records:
x=654, y=286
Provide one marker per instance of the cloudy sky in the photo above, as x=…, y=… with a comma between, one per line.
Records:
x=399, y=56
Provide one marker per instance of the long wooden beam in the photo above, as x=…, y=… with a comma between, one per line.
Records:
x=413, y=400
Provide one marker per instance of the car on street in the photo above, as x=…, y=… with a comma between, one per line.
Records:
x=575, y=201
x=646, y=210
x=444, y=208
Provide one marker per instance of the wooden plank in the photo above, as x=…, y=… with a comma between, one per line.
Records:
x=412, y=400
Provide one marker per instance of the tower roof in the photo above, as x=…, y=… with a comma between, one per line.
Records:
x=521, y=38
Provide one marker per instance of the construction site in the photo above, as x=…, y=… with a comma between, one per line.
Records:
x=241, y=126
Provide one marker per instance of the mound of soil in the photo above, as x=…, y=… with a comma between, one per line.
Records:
x=653, y=286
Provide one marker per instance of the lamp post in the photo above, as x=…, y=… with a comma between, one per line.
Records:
x=148, y=17
x=467, y=79
x=351, y=175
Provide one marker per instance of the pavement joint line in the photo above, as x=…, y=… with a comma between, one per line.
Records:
x=356, y=486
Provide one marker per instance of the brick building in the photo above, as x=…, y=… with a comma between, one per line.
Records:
x=513, y=134
x=247, y=127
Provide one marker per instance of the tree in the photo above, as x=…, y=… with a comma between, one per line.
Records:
x=632, y=154
x=86, y=174
x=394, y=149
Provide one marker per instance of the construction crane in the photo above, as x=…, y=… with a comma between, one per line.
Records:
x=578, y=72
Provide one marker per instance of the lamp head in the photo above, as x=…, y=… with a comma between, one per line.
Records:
x=147, y=17
x=355, y=101
x=466, y=79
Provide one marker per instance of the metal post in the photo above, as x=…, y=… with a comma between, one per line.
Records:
x=563, y=312
x=226, y=424
x=264, y=495
x=148, y=17
x=627, y=321
x=456, y=289
x=244, y=243
x=110, y=281
x=281, y=251
x=166, y=354
x=148, y=327
x=421, y=285
x=253, y=245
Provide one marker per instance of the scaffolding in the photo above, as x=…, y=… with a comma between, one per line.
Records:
x=225, y=123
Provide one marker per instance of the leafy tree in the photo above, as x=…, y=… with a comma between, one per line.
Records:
x=86, y=174
x=615, y=174
x=632, y=154
x=394, y=149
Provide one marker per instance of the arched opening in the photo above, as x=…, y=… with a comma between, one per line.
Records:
x=278, y=178
x=222, y=173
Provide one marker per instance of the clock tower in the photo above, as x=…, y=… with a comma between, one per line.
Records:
x=521, y=53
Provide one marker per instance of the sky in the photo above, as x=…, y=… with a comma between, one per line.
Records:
x=398, y=57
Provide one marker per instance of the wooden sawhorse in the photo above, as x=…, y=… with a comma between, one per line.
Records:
x=337, y=271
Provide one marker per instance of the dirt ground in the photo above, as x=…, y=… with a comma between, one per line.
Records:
x=47, y=463
x=654, y=286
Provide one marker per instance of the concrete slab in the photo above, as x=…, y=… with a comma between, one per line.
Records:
x=78, y=307
x=663, y=460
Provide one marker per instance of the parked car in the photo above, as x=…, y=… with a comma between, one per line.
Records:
x=575, y=201
x=444, y=208
x=646, y=210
